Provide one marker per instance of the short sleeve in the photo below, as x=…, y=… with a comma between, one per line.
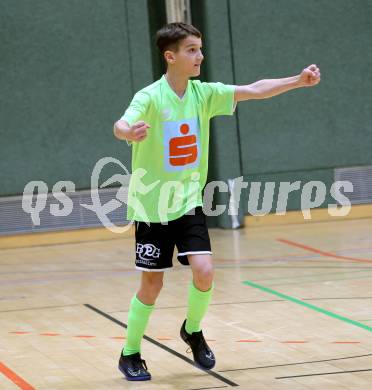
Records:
x=220, y=99
x=137, y=108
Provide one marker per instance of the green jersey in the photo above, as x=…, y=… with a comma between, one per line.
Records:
x=170, y=166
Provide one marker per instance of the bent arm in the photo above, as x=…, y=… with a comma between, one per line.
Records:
x=121, y=130
x=136, y=133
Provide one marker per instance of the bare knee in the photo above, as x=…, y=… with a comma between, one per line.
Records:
x=151, y=285
x=203, y=277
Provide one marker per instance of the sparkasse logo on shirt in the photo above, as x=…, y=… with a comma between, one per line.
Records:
x=181, y=144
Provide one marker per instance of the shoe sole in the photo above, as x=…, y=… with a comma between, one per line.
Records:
x=133, y=378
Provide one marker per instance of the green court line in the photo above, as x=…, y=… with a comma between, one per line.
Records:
x=308, y=305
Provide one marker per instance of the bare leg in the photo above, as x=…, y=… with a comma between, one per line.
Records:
x=151, y=285
x=202, y=270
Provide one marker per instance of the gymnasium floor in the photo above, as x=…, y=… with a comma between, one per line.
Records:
x=292, y=309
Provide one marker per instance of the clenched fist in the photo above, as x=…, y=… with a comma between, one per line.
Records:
x=310, y=76
x=135, y=133
x=138, y=131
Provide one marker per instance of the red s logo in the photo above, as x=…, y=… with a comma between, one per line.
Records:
x=183, y=150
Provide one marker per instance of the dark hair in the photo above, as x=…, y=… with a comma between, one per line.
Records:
x=169, y=36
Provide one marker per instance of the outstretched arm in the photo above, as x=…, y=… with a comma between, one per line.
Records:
x=267, y=88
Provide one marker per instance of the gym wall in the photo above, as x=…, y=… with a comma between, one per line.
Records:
x=68, y=70
x=305, y=134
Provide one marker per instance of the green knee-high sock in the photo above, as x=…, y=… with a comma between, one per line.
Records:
x=198, y=303
x=138, y=317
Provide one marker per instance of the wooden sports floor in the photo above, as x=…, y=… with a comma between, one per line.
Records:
x=292, y=309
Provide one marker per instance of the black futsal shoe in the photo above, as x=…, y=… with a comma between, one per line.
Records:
x=203, y=356
x=134, y=368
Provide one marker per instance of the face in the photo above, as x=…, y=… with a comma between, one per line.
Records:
x=188, y=58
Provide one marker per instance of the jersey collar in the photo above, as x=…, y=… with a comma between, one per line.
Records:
x=172, y=93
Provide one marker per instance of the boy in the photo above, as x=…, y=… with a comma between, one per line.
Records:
x=167, y=124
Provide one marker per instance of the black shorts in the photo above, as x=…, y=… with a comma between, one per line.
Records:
x=155, y=243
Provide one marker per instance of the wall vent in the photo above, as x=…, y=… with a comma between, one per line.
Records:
x=13, y=219
x=361, y=177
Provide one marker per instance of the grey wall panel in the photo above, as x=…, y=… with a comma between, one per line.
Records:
x=65, y=78
x=324, y=176
x=325, y=126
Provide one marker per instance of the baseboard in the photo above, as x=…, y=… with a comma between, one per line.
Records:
x=317, y=215
x=62, y=237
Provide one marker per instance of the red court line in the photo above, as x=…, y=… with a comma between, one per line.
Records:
x=168, y=338
x=20, y=332
x=320, y=252
x=17, y=380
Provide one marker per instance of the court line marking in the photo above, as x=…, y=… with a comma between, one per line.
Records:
x=320, y=252
x=40, y=308
x=245, y=302
x=66, y=271
x=308, y=305
x=64, y=243
x=314, y=275
x=60, y=278
x=242, y=264
x=298, y=363
x=98, y=275
x=162, y=346
x=96, y=272
x=16, y=379
x=207, y=388
x=320, y=280
x=323, y=373
x=168, y=338
x=11, y=297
